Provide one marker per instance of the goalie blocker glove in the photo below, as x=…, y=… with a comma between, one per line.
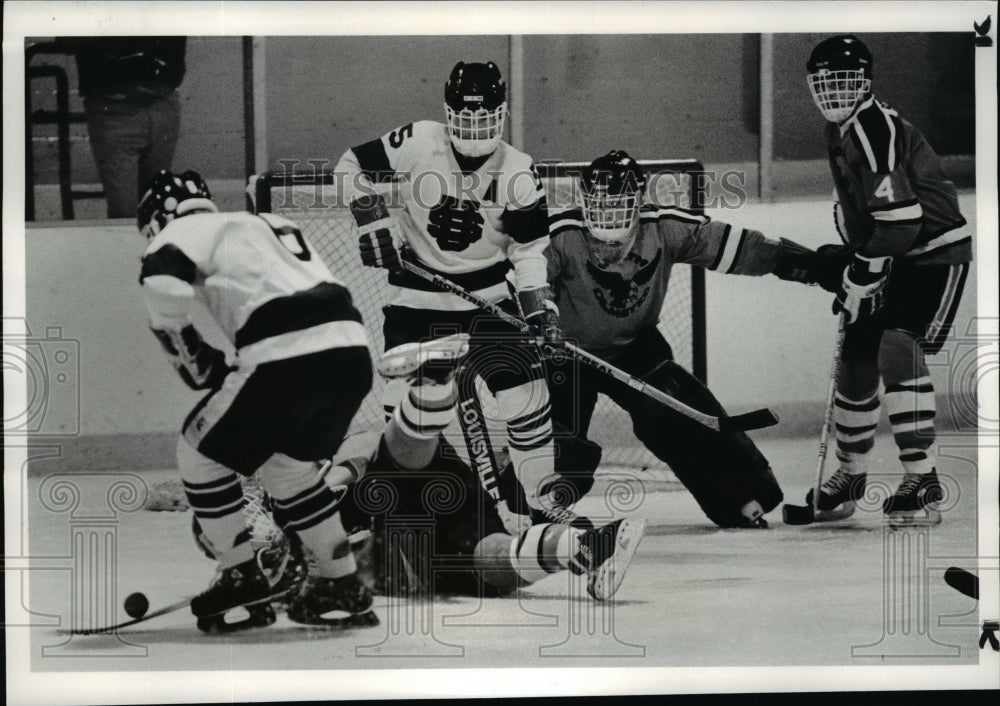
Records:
x=542, y=316
x=378, y=234
x=200, y=365
x=862, y=289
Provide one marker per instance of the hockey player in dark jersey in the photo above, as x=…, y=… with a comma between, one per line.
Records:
x=436, y=530
x=473, y=210
x=899, y=281
x=609, y=266
x=281, y=402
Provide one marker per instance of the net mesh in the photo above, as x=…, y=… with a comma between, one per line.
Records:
x=314, y=201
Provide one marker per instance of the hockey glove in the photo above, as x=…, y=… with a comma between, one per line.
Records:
x=201, y=366
x=542, y=316
x=796, y=263
x=833, y=259
x=862, y=289
x=379, y=239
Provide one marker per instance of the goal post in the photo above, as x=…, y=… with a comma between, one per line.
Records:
x=314, y=200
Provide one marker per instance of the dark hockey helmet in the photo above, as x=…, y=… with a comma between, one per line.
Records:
x=840, y=75
x=170, y=196
x=475, y=105
x=613, y=187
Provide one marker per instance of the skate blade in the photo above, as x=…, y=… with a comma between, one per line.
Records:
x=928, y=517
x=407, y=359
x=217, y=625
x=368, y=619
x=610, y=575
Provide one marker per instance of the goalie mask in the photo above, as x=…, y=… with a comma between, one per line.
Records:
x=475, y=105
x=613, y=188
x=170, y=196
x=840, y=76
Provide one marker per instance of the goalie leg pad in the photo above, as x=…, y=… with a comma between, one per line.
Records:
x=724, y=472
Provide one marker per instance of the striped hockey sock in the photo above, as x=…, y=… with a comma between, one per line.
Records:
x=531, y=451
x=912, y=409
x=312, y=515
x=217, y=506
x=855, y=422
x=542, y=550
x=427, y=410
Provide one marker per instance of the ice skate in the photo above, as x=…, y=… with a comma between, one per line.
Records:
x=434, y=361
x=605, y=554
x=242, y=586
x=347, y=596
x=916, y=502
x=838, y=495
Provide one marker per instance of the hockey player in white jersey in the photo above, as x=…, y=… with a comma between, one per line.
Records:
x=281, y=403
x=609, y=265
x=474, y=208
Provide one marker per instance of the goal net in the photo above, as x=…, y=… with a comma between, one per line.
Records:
x=314, y=200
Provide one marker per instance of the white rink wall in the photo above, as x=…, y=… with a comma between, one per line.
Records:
x=769, y=342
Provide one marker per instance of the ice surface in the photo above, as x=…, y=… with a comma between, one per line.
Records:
x=847, y=595
x=695, y=595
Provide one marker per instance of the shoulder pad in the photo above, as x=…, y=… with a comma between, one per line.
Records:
x=651, y=213
x=874, y=132
x=566, y=220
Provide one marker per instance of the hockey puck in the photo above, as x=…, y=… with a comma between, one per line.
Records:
x=136, y=605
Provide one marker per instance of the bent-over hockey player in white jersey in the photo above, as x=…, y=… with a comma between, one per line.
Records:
x=300, y=371
x=474, y=208
x=609, y=266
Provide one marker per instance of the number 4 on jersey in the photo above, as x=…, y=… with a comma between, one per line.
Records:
x=884, y=190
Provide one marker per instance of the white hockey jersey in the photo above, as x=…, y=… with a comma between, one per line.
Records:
x=259, y=279
x=498, y=210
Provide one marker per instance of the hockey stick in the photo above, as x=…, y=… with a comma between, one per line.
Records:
x=183, y=603
x=742, y=422
x=807, y=514
x=965, y=582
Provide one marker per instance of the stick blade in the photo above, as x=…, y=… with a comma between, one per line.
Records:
x=797, y=514
x=965, y=582
x=758, y=419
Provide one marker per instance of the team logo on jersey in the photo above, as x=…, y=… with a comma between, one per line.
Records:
x=619, y=296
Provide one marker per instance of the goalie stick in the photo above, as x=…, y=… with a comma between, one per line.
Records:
x=756, y=419
x=807, y=514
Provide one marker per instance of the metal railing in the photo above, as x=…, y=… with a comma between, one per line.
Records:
x=62, y=117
